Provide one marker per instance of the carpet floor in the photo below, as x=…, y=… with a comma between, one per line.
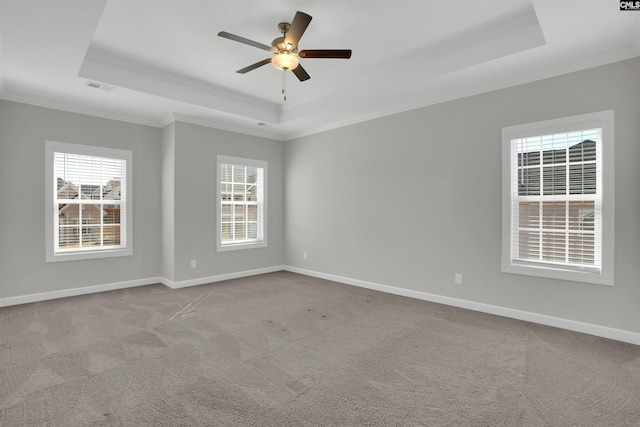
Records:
x=284, y=349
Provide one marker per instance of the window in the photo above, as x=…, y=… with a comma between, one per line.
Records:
x=88, y=212
x=241, y=203
x=558, y=198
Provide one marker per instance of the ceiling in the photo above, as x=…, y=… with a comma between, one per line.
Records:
x=161, y=60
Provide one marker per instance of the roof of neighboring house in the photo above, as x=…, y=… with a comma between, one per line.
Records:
x=69, y=190
x=584, y=151
x=63, y=210
x=586, y=148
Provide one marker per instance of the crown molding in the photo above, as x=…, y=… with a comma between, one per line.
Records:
x=221, y=124
x=69, y=107
x=107, y=67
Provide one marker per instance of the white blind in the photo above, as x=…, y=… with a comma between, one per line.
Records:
x=241, y=203
x=90, y=202
x=556, y=200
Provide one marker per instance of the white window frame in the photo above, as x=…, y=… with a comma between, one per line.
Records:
x=261, y=240
x=51, y=218
x=603, y=120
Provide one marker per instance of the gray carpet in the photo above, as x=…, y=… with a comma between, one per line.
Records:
x=288, y=350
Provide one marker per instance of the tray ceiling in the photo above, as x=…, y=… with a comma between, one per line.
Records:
x=161, y=61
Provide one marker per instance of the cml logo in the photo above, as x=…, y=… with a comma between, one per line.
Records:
x=629, y=5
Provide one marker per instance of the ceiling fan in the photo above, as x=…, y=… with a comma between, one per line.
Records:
x=285, y=49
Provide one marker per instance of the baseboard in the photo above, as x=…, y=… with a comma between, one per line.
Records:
x=542, y=319
x=571, y=325
x=44, y=296
x=220, y=277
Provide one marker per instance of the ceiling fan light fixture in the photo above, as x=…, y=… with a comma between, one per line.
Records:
x=285, y=50
x=284, y=61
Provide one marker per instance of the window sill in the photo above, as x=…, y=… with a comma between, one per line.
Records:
x=77, y=256
x=241, y=246
x=559, y=274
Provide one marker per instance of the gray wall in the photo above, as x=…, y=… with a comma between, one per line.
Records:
x=196, y=150
x=23, y=132
x=4, y=206
x=168, y=201
x=174, y=175
x=411, y=199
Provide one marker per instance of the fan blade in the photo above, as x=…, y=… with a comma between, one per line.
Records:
x=254, y=66
x=300, y=73
x=299, y=24
x=325, y=53
x=243, y=40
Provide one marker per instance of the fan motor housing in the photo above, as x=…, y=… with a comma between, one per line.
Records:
x=279, y=45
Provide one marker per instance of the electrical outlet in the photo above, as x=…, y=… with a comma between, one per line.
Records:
x=194, y=264
x=458, y=279
x=304, y=255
